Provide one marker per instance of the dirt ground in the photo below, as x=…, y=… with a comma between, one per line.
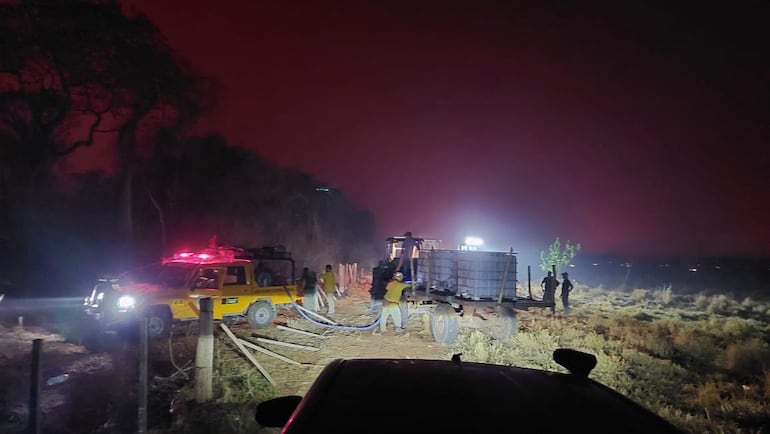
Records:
x=354, y=310
x=99, y=378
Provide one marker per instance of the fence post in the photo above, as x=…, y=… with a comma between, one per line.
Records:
x=204, y=353
x=142, y=410
x=341, y=276
x=34, y=388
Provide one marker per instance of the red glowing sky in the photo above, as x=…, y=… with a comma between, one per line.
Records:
x=638, y=131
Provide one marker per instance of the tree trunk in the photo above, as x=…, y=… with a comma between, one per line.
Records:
x=127, y=150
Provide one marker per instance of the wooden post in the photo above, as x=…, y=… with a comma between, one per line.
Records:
x=529, y=280
x=142, y=410
x=204, y=353
x=428, y=263
x=355, y=273
x=505, y=276
x=341, y=275
x=34, y=388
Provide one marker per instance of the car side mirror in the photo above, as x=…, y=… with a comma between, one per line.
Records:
x=277, y=411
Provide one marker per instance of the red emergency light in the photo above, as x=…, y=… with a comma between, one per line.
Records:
x=207, y=255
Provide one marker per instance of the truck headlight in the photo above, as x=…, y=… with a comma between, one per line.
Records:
x=126, y=302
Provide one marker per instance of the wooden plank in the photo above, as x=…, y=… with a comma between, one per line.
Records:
x=317, y=315
x=247, y=353
x=287, y=344
x=302, y=332
x=268, y=352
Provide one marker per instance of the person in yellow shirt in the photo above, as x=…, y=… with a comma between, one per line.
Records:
x=390, y=307
x=329, y=283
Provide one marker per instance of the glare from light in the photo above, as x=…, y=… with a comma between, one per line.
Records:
x=474, y=241
x=126, y=302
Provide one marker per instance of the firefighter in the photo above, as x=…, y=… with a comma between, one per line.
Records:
x=329, y=284
x=308, y=283
x=390, y=305
x=566, y=287
x=549, y=284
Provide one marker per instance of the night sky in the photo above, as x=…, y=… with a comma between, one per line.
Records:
x=640, y=130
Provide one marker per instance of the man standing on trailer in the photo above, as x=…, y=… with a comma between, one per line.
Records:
x=409, y=248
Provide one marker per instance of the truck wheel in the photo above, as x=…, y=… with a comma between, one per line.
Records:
x=505, y=325
x=445, y=324
x=158, y=322
x=260, y=314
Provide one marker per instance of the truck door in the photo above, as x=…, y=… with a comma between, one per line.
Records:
x=236, y=290
x=208, y=283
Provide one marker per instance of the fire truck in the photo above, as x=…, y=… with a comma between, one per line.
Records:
x=243, y=282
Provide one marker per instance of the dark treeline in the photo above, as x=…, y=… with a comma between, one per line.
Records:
x=77, y=74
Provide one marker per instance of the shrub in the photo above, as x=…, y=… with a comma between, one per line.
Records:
x=663, y=295
x=719, y=304
x=702, y=301
x=639, y=295
x=747, y=358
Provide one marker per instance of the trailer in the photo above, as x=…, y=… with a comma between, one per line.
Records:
x=463, y=289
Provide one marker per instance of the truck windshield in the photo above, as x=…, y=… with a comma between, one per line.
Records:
x=173, y=275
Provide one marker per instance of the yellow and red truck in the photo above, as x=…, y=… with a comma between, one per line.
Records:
x=251, y=283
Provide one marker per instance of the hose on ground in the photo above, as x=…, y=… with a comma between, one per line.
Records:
x=301, y=311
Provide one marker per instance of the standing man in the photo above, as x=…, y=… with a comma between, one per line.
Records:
x=390, y=305
x=409, y=248
x=566, y=287
x=307, y=283
x=549, y=284
x=329, y=284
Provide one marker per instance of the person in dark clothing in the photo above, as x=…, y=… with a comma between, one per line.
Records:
x=409, y=249
x=566, y=287
x=308, y=283
x=549, y=284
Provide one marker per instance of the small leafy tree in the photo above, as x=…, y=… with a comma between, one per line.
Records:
x=558, y=255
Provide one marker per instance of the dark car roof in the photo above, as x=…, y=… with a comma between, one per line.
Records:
x=402, y=395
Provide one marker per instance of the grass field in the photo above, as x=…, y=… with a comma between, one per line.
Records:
x=701, y=361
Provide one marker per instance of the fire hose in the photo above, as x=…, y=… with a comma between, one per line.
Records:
x=307, y=313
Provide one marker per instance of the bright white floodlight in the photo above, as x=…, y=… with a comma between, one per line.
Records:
x=474, y=241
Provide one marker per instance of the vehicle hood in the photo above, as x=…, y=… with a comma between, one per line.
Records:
x=142, y=288
x=383, y=395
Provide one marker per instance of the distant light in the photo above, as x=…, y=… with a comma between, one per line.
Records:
x=595, y=264
x=474, y=241
x=185, y=255
x=323, y=189
x=693, y=269
x=204, y=256
x=571, y=265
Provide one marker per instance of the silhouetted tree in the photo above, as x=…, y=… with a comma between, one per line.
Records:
x=74, y=73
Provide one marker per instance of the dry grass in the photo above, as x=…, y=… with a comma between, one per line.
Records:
x=701, y=361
